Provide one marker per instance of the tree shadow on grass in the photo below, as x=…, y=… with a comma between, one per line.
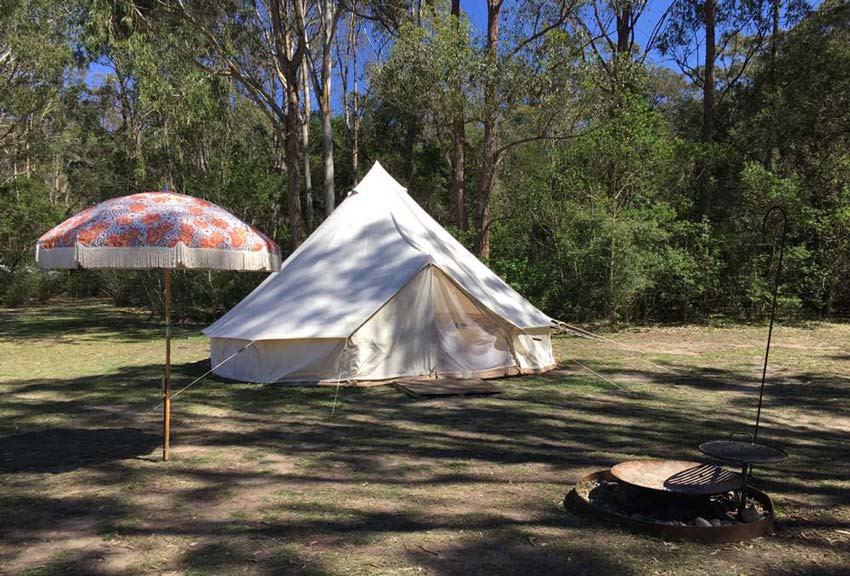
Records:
x=514, y=551
x=379, y=437
x=536, y=430
x=57, y=450
x=223, y=557
x=83, y=321
x=822, y=393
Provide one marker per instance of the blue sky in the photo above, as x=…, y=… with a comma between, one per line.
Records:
x=476, y=10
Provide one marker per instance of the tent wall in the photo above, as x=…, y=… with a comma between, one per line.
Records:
x=533, y=350
x=307, y=360
x=397, y=340
x=429, y=328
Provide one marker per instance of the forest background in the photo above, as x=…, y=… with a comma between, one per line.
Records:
x=611, y=159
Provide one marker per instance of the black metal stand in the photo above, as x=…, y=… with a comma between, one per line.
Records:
x=748, y=453
x=745, y=454
x=746, y=470
x=772, y=304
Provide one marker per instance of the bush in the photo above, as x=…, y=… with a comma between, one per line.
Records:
x=27, y=284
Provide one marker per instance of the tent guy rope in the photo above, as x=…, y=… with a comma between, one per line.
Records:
x=608, y=380
x=581, y=333
x=339, y=375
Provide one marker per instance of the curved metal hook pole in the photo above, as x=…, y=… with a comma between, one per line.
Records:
x=773, y=303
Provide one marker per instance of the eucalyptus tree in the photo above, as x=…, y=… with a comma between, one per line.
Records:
x=257, y=44
x=347, y=46
x=526, y=82
x=35, y=61
x=384, y=21
x=166, y=112
x=731, y=33
x=306, y=107
x=432, y=70
x=457, y=157
x=609, y=27
x=387, y=15
x=513, y=89
x=490, y=115
x=317, y=22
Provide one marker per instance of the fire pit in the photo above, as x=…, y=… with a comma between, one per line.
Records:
x=675, y=499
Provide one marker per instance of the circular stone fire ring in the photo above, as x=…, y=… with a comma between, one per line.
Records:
x=582, y=500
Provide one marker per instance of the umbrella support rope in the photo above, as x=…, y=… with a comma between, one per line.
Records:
x=208, y=372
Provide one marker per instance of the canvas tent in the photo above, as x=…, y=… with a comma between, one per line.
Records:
x=380, y=291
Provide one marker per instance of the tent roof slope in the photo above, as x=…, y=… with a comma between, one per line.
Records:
x=356, y=261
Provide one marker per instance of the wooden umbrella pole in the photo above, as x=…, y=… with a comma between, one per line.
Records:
x=166, y=414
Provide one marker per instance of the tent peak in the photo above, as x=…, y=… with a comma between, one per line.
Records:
x=378, y=179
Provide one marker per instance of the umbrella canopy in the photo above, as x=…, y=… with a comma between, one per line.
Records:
x=157, y=230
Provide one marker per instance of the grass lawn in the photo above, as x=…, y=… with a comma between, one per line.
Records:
x=266, y=480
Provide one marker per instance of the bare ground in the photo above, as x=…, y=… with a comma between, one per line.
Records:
x=266, y=480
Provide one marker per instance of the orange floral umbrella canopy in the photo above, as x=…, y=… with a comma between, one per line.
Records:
x=157, y=230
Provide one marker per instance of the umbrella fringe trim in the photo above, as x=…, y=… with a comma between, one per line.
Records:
x=147, y=257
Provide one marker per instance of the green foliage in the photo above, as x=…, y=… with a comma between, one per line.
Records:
x=425, y=64
x=599, y=217
x=35, y=55
x=689, y=273
x=795, y=126
x=26, y=212
x=607, y=203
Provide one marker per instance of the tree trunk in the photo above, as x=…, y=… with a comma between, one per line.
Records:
x=288, y=54
x=774, y=35
x=456, y=181
x=297, y=231
x=409, y=147
x=27, y=165
x=624, y=28
x=291, y=125
x=489, y=156
x=329, y=20
x=456, y=178
x=708, y=80
x=346, y=98
x=612, y=270
x=305, y=148
x=355, y=102
x=327, y=132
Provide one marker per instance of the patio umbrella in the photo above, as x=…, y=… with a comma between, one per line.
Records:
x=158, y=230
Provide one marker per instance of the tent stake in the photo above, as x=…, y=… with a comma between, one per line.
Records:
x=166, y=414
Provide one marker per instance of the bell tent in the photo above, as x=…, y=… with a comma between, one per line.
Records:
x=380, y=291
